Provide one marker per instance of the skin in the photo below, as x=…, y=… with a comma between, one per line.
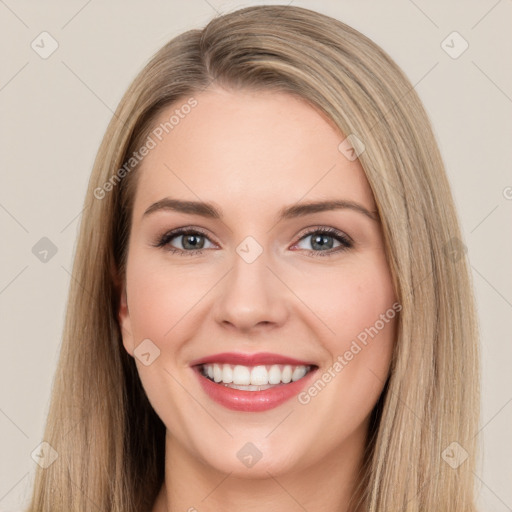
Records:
x=251, y=154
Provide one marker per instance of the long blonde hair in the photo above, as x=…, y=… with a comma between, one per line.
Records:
x=109, y=440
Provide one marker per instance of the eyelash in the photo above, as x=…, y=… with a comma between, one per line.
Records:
x=345, y=241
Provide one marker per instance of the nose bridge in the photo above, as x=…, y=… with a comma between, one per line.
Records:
x=251, y=294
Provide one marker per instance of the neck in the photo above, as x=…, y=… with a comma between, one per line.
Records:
x=329, y=485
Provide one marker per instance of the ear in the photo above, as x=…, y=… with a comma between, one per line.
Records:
x=124, y=321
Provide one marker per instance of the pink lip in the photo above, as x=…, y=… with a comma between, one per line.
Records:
x=260, y=358
x=252, y=401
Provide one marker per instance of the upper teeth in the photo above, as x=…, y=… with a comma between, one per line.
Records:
x=255, y=375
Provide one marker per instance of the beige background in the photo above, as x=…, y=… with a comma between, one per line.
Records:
x=54, y=113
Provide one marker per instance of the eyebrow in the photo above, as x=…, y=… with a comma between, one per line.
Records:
x=208, y=210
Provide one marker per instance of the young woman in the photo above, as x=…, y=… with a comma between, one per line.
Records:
x=270, y=309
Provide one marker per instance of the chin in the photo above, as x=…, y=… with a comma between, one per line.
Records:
x=246, y=459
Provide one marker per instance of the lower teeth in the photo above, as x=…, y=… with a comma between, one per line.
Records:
x=249, y=387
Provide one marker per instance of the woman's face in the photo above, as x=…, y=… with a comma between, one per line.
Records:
x=262, y=284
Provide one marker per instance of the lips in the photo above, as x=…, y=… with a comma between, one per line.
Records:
x=252, y=382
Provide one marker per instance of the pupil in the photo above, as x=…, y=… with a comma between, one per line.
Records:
x=322, y=242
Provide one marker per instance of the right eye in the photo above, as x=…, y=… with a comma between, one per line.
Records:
x=184, y=241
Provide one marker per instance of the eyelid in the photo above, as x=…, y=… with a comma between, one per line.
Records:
x=324, y=229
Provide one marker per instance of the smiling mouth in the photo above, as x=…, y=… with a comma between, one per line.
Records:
x=254, y=378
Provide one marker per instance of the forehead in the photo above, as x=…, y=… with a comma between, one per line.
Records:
x=271, y=148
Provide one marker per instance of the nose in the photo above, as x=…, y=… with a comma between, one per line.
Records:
x=251, y=298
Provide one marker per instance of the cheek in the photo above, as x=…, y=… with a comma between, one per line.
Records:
x=349, y=301
x=160, y=298
x=363, y=347
x=358, y=314
x=348, y=387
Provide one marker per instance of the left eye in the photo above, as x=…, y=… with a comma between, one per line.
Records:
x=323, y=240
